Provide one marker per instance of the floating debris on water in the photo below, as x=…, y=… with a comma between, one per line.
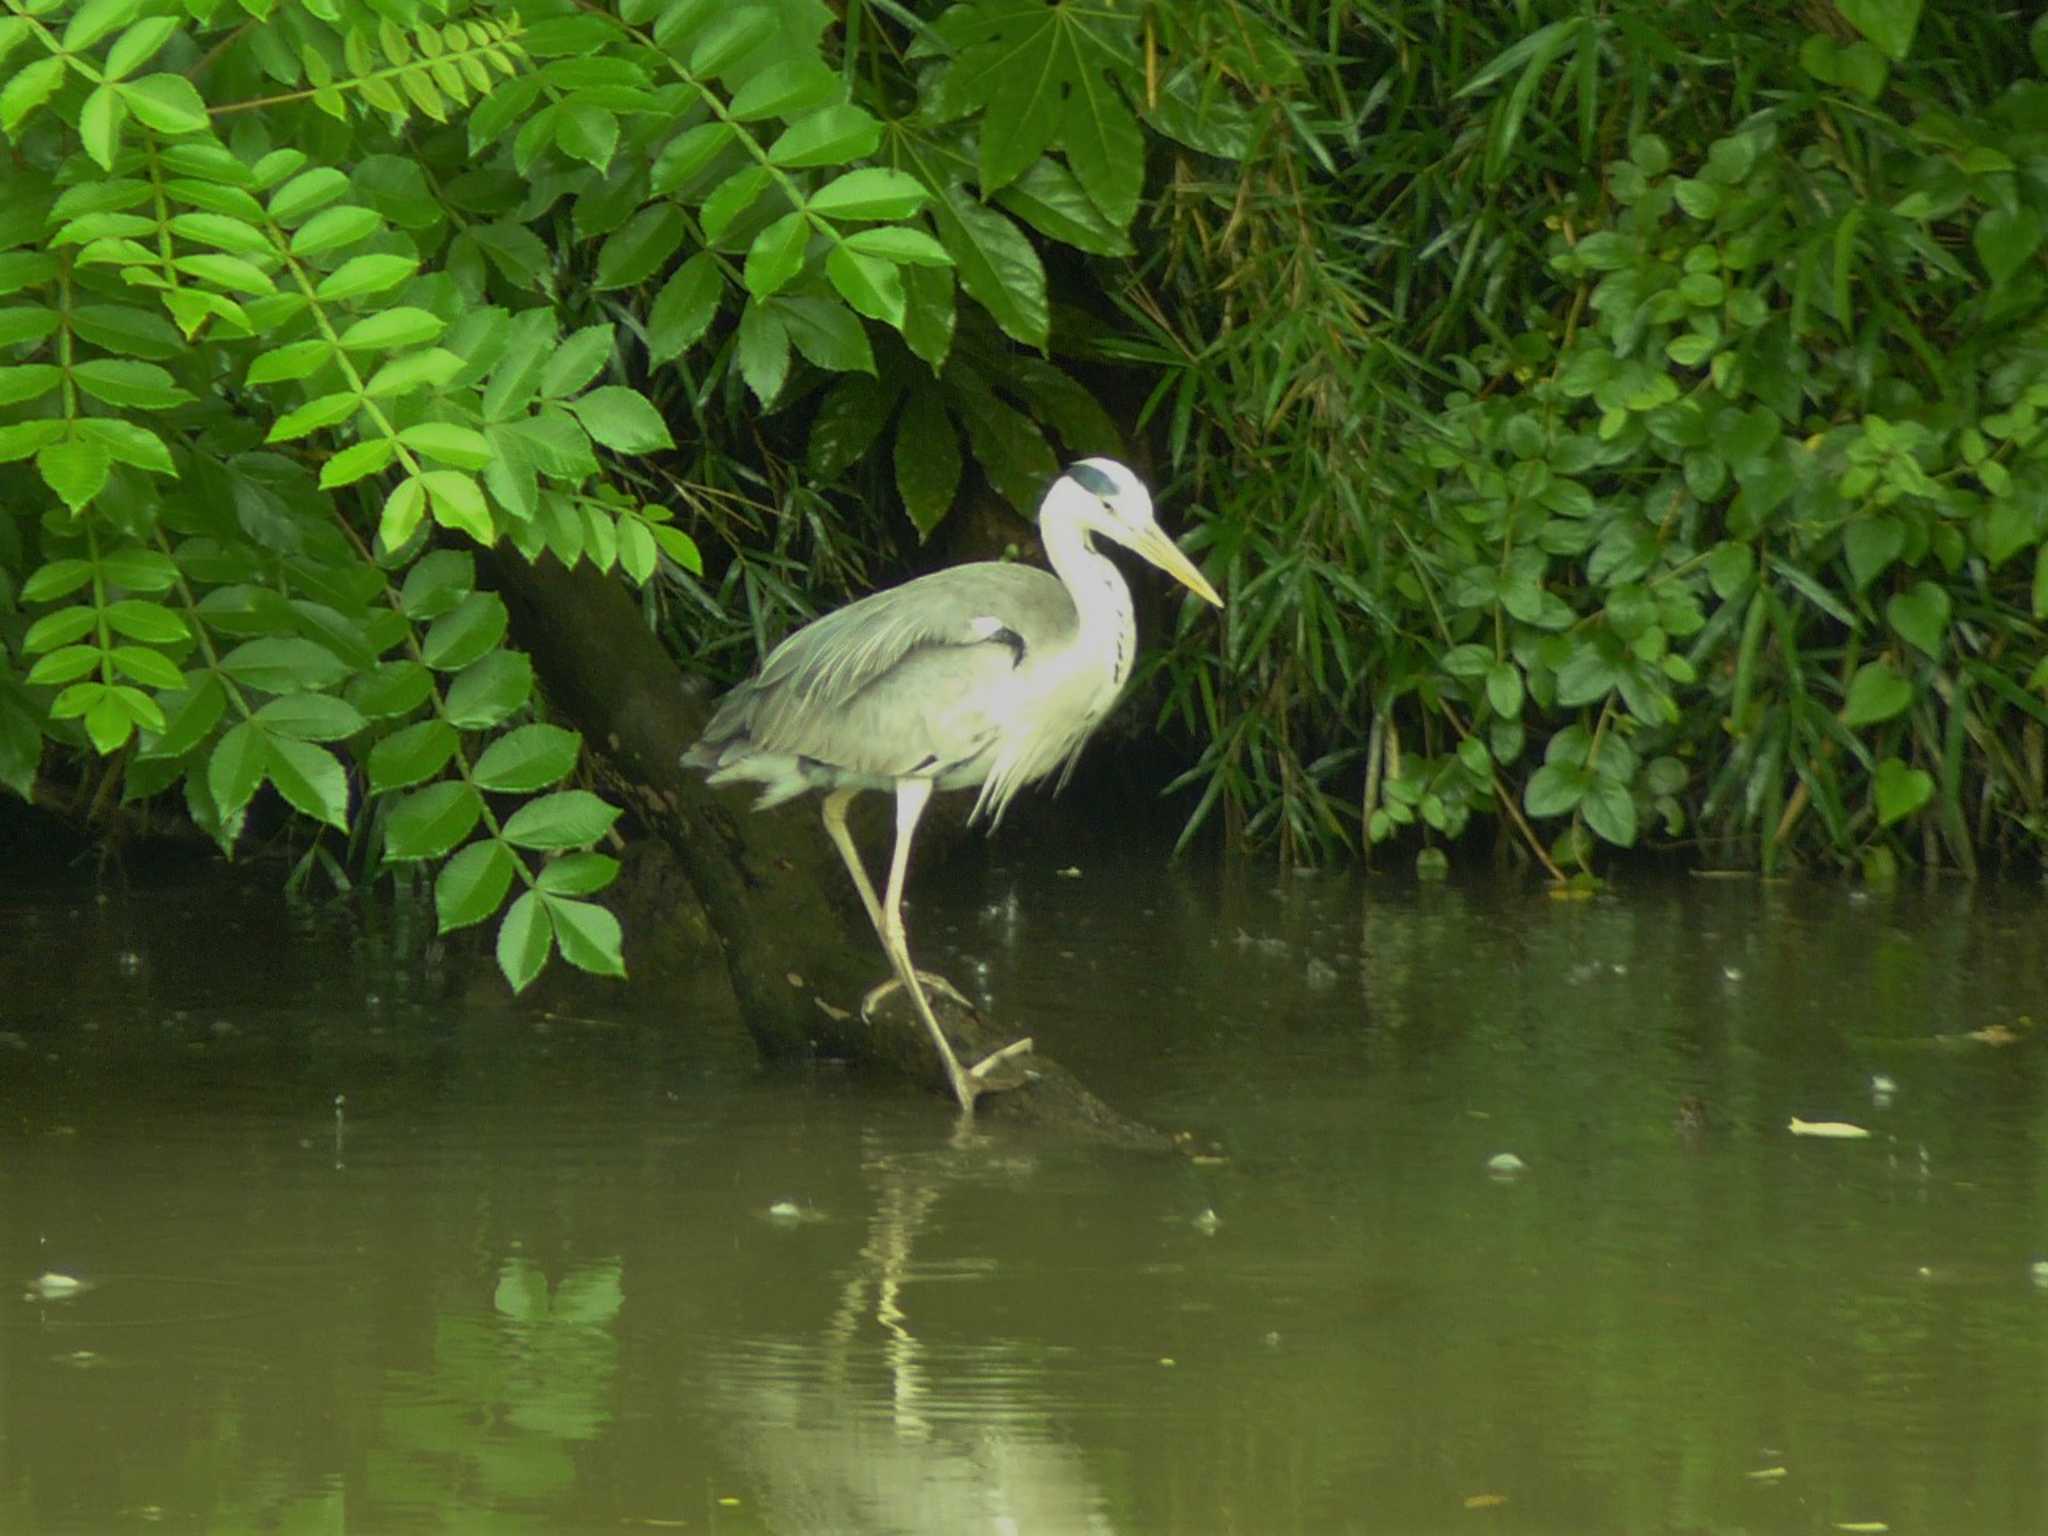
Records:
x=1837, y=1130
x=1505, y=1165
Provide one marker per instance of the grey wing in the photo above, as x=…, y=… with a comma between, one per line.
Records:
x=895, y=684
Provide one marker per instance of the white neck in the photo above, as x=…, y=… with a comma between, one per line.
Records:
x=1109, y=629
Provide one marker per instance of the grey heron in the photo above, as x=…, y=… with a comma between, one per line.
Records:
x=991, y=674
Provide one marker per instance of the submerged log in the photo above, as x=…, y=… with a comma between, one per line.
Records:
x=797, y=945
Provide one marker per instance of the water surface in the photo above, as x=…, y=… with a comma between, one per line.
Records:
x=361, y=1246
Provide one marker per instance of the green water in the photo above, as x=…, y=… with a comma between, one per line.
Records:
x=594, y=1271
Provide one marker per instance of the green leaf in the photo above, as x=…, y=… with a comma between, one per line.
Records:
x=1876, y=693
x=235, y=768
x=393, y=691
x=99, y=125
x=1870, y=544
x=587, y=132
x=465, y=633
x=284, y=664
x=310, y=778
x=529, y=758
x=64, y=627
x=150, y=668
x=430, y=368
x=784, y=89
x=832, y=136
x=487, y=693
x=27, y=382
x=577, y=874
x=1610, y=810
x=1504, y=689
x=30, y=86
x=588, y=935
x=870, y=193
x=685, y=308
x=622, y=420
x=928, y=461
x=1900, y=790
x=125, y=382
x=848, y=420
x=167, y=103
x=576, y=361
x=190, y=718
x=1042, y=74
x=129, y=442
x=777, y=255
x=412, y=755
x=76, y=469
x=872, y=285
x=327, y=411
x=685, y=156
x=58, y=578
x=734, y=196
x=457, y=502
x=224, y=233
x=426, y=823
x=139, y=569
x=293, y=361
x=900, y=243
x=2006, y=240
x=306, y=194
x=311, y=717
x=734, y=35
x=525, y=940
x=1887, y=23
x=763, y=351
x=1730, y=568
x=1921, y=615
x=388, y=329
x=149, y=622
x=66, y=665
x=361, y=276
x=1555, y=789
x=996, y=264
x=635, y=253
x=569, y=818
x=403, y=509
x=437, y=583
x=828, y=333
x=472, y=885
x=356, y=461
x=463, y=447
x=93, y=20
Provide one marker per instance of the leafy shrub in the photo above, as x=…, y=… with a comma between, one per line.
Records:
x=302, y=302
x=1730, y=525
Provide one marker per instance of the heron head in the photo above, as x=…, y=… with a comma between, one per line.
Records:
x=1112, y=501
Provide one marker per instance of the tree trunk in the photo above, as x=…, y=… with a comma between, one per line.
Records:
x=797, y=944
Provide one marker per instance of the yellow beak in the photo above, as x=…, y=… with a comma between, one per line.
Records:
x=1156, y=547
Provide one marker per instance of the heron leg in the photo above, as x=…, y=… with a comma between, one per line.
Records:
x=833, y=809
x=911, y=798
x=834, y=812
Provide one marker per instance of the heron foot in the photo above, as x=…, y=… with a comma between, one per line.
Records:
x=998, y=1070
x=933, y=984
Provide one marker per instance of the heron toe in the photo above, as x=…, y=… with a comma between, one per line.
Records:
x=933, y=984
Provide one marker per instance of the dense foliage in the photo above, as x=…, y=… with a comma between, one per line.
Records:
x=1621, y=422
x=1624, y=421
x=302, y=300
